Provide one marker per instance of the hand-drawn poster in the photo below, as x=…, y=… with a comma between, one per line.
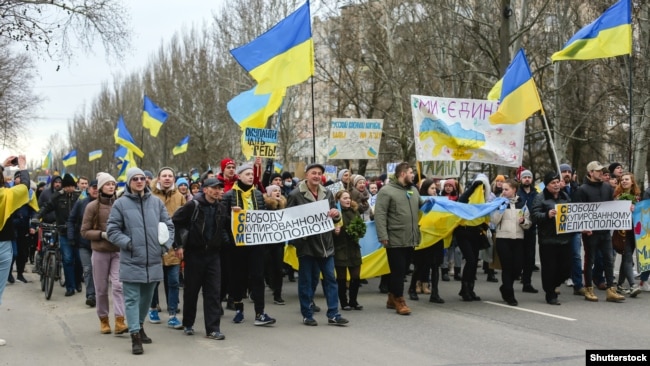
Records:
x=354, y=138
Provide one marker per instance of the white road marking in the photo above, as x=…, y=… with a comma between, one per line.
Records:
x=530, y=311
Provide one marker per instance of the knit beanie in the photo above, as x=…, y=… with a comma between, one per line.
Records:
x=613, y=167
x=226, y=161
x=550, y=176
x=272, y=188
x=526, y=173
x=132, y=172
x=180, y=181
x=342, y=172
x=357, y=179
x=244, y=167
x=68, y=181
x=565, y=168
x=286, y=175
x=103, y=178
x=166, y=168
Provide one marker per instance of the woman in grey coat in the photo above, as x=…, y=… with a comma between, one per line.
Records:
x=133, y=226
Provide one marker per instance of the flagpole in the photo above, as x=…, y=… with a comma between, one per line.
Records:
x=550, y=140
x=630, y=155
x=313, y=122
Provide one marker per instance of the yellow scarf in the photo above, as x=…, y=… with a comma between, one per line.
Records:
x=246, y=196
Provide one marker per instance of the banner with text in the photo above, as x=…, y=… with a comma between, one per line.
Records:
x=576, y=217
x=354, y=138
x=459, y=129
x=260, y=142
x=641, y=219
x=256, y=227
x=441, y=169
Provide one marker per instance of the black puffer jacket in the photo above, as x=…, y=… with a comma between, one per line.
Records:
x=546, y=233
x=203, y=236
x=61, y=204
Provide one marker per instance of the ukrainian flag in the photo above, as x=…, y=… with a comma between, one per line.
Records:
x=94, y=155
x=495, y=92
x=153, y=117
x=70, y=158
x=253, y=110
x=277, y=167
x=283, y=55
x=519, y=98
x=123, y=137
x=609, y=35
x=47, y=163
x=182, y=146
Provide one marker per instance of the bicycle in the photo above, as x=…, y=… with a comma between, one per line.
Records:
x=52, y=264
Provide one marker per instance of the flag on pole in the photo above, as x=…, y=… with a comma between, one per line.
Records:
x=123, y=137
x=277, y=167
x=47, y=163
x=519, y=97
x=153, y=116
x=283, y=55
x=181, y=147
x=70, y=158
x=94, y=155
x=253, y=110
x=608, y=36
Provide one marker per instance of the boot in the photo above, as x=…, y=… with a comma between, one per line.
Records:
x=120, y=327
x=490, y=276
x=425, y=288
x=464, y=292
x=434, y=288
x=143, y=336
x=445, y=274
x=136, y=344
x=400, y=306
x=589, y=294
x=104, y=325
x=390, y=303
x=354, y=291
x=343, y=296
x=413, y=295
x=470, y=286
x=613, y=296
x=457, y=276
x=418, y=287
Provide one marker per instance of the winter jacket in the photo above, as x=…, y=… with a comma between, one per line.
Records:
x=347, y=251
x=133, y=227
x=95, y=219
x=203, y=236
x=528, y=198
x=546, y=233
x=591, y=191
x=75, y=221
x=61, y=204
x=319, y=245
x=507, y=222
x=396, y=215
x=45, y=197
x=172, y=198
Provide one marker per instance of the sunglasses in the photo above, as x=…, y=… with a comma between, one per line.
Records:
x=139, y=179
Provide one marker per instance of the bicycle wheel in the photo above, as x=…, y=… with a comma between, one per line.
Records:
x=50, y=276
x=43, y=270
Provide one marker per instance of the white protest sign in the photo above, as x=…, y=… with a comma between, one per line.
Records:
x=354, y=138
x=256, y=227
x=592, y=216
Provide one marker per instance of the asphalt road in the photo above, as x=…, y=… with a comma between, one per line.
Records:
x=64, y=331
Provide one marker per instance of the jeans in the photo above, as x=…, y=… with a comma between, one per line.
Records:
x=137, y=297
x=6, y=253
x=308, y=274
x=626, y=270
x=576, y=261
x=86, y=263
x=599, y=241
x=106, y=268
x=171, y=284
x=70, y=256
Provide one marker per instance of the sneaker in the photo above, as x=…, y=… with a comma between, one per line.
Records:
x=90, y=301
x=310, y=321
x=314, y=308
x=22, y=279
x=569, y=282
x=173, y=322
x=278, y=300
x=216, y=335
x=622, y=290
x=635, y=290
x=645, y=286
x=337, y=320
x=188, y=331
x=530, y=289
x=263, y=319
x=153, y=317
x=239, y=317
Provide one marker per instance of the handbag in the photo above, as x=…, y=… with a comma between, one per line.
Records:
x=618, y=241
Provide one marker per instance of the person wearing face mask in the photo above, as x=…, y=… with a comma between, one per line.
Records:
x=287, y=184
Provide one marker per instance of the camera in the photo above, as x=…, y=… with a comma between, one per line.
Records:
x=14, y=161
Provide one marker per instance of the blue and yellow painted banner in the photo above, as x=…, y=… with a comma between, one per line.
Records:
x=354, y=138
x=454, y=129
x=641, y=219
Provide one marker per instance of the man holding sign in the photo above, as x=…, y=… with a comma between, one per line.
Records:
x=316, y=252
x=594, y=190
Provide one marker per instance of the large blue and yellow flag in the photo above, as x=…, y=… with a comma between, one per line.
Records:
x=94, y=155
x=47, y=163
x=181, y=147
x=519, y=98
x=608, y=36
x=70, y=158
x=153, y=116
x=253, y=110
x=283, y=55
x=123, y=137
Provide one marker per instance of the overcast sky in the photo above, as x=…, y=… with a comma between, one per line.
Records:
x=66, y=91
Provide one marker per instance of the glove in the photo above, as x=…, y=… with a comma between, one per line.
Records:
x=103, y=235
